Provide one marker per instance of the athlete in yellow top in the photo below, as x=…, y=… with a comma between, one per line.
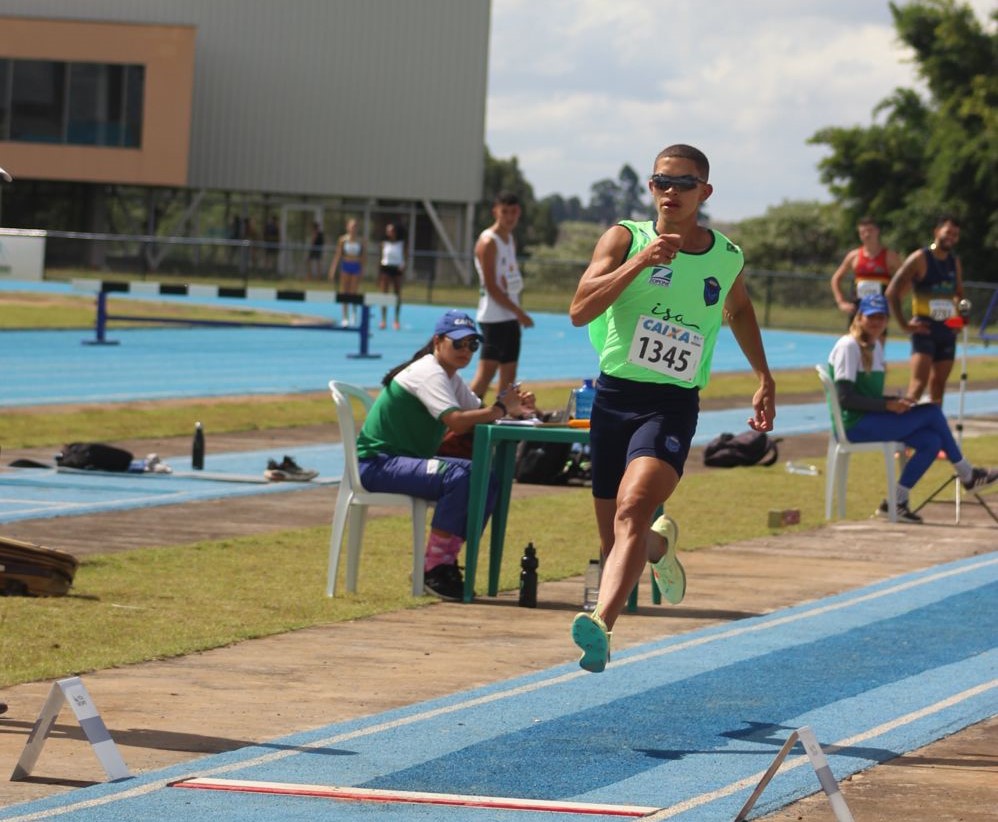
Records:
x=935, y=277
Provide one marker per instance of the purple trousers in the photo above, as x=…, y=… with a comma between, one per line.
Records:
x=924, y=429
x=447, y=480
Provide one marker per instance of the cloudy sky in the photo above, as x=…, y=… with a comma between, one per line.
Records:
x=577, y=88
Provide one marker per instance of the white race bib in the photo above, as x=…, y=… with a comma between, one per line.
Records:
x=941, y=309
x=864, y=288
x=667, y=348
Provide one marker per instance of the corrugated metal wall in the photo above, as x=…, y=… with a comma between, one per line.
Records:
x=352, y=98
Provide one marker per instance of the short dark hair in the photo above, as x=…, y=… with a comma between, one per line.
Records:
x=506, y=198
x=866, y=219
x=687, y=153
x=947, y=217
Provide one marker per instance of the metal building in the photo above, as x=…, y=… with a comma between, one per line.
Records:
x=313, y=109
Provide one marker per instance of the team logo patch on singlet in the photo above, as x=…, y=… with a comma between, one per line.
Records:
x=711, y=291
x=671, y=444
x=661, y=275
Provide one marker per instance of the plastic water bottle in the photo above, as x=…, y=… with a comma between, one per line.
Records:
x=528, y=577
x=590, y=594
x=580, y=403
x=197, y=448
x=802, y=469
x=570, y=407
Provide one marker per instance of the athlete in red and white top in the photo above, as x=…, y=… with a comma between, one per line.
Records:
x=871, y=264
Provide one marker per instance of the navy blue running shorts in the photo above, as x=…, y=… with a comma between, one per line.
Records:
x=939, y=343
x=638, y=419
x=501, y=341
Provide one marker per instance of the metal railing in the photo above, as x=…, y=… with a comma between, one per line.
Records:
x=785, y=299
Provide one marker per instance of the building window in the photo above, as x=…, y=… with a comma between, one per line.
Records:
x=90, y=104
x=134, y=94
x=4, y=98
x=38, y=100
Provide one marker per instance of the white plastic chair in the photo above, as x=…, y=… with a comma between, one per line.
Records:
x=839, y=449
x=352, y=500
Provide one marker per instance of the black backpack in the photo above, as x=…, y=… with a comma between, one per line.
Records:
x=94, y=456
x=545, y=463
x=748, y=448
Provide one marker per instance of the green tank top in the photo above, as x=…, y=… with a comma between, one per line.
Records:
x=663, y=327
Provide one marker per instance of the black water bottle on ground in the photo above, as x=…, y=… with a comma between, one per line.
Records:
x=528, y=577
x=197, y=449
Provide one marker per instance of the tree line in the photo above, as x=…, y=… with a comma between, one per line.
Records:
x=921, y=155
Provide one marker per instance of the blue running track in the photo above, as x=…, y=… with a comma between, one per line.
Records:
x=47, y=367
x=686, y=725
x=33, y=493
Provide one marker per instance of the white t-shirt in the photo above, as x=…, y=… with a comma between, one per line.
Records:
x=508, y=278
x=440, y=393
x=392, y=253
x=846, y=359
x=405, y=418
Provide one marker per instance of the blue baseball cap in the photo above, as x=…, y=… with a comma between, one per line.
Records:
x=873, y=304
x=457, y=325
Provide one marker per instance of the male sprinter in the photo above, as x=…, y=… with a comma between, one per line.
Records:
x=654, y=296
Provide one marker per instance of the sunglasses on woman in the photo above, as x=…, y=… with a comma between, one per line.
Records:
x=470, y=343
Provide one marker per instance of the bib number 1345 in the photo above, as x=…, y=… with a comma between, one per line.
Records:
x=666, y=348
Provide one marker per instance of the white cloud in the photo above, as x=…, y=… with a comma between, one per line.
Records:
x=578, y=88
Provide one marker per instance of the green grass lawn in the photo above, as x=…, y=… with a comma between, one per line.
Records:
x=149, y=604
x=48, y=426
x=45, y=311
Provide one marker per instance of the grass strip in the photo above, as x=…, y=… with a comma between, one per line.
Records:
x=27, y=311
x=56, y=425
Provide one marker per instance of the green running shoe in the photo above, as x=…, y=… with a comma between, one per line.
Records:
x=590, y=634
x=668, y=572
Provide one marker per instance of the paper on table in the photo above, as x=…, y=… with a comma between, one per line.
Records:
x=531, y=423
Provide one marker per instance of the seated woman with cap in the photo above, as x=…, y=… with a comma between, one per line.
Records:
x=422, y=399
x=856, y=364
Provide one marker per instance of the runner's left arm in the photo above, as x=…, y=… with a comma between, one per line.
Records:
x=740, y=313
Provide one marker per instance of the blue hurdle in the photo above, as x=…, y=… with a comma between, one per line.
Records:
x=102, y=288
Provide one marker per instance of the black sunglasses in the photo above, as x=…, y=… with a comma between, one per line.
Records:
x=686, y=182
x=470, y=343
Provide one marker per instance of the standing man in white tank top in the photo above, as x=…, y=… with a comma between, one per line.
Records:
x=499, y=314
